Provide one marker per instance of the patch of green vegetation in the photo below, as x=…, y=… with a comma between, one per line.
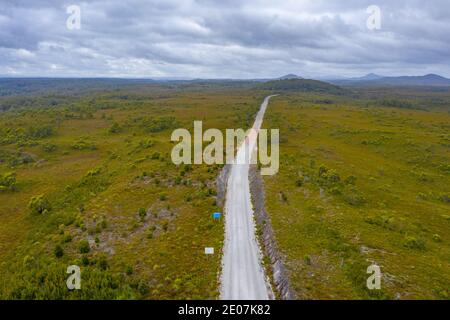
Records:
x=96, y=188
x=8, y=181
x=365, y=179
x=84, y=145
x=302, y=85
x=84, y=247
x=39, y=205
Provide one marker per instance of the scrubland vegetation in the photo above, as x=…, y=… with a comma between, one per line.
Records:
x=363, y=180
x=89, y=181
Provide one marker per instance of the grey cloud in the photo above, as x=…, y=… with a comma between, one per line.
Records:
x=228, y=38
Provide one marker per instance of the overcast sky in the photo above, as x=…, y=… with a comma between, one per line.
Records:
x=223, y=39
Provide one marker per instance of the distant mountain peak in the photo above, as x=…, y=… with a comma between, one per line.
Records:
x=370, y=76
x=290, y=76
x=433, y=76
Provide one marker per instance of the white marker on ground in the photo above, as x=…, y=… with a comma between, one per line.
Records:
x=209, y=250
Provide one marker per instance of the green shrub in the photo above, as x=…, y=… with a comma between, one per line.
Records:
x=328, y=175
x=350, y=180
x=85, y=261
x=414, y=243
x=283, y=196
x=145, y=144
x=104, y=223
x=330, y=180
x=67, y=238
x=115, y=128
x=423, y=177
x=142, y=287
x=39, y=205
x=307, y=260
x=299, y=182
x=83, y=145
x=353, y=197
x=445, y=198
x=160, y=124
x=156, y=155
x=103, y=263
x=437, y=238
x=142, y=213
x=322, y=170
x=18, y=159
x=40, y=132
x=8, y=181
x=129, y=270
x=445, y=168
x=49, y=147
x=84, y=247
x=59, y=252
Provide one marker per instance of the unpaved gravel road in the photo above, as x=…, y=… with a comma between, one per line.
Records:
x=243, y=276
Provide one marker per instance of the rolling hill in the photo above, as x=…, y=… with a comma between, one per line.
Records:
x=430, y=80
x=289, y=76
x=302, y=85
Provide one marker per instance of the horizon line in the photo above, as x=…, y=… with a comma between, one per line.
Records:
x=181, y=78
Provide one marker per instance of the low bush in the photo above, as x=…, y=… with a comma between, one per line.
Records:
x=8, y=182
x=142, y=213
x=39, y=205
x=163, y=197
x=115, y=128
x=352, y=196
x=414, y=243
x=59, y=252
x=84, y=247
x=83, y=145
x=49, y=147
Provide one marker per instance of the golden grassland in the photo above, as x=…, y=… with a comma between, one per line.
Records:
x=102, y=165
x=361, y=183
